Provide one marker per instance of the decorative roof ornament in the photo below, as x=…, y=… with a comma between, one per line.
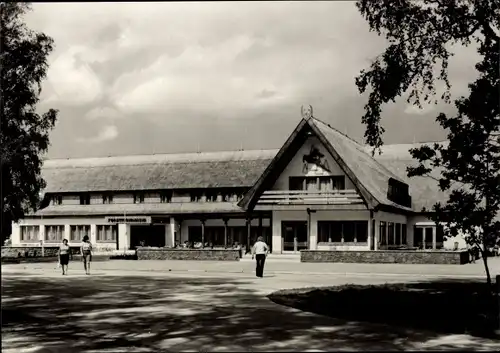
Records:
x=306, y=112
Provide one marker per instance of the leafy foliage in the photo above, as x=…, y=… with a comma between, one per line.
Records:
x=421, y=34
x=24, y=132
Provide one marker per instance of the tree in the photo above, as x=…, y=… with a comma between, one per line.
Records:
x=23, y=132
x=420, y=35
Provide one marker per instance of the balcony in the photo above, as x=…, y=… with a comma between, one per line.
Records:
x=296, y=199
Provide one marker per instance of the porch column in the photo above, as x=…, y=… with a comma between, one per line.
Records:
x=179, y=223
x=423, y=238
x=93, y=234
x=123, y=236
x=249, y=230
x=171, y=228
x=370, y=227
x=67, y=232
x=225, y=232
x=434, y=231
x=202, y=233
x=376, y=239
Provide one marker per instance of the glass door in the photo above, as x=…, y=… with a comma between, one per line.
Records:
x=294, y=235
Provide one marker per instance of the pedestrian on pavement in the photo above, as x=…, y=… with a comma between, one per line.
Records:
x=260, y=251
x=64, y=256
x=86, y=251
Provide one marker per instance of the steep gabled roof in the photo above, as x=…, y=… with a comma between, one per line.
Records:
x=155, y=172
x=369, y=177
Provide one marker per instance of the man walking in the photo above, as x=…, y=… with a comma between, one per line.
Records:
x=260, y=251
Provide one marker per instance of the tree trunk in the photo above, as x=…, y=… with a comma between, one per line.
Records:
x=484, y=254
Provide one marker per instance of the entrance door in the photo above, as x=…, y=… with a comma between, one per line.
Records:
x=294, y=235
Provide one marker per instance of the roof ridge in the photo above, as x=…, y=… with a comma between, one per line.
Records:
x=337, y=130
x=160, y=154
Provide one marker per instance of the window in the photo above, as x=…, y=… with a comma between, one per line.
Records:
x=78, y=232
x=166, y=196
x=418, y=236
x=428, y=237
x=382, y=235
x=211, y=196
x=84, y=199
x=226, y=197
x=139, y=197
x=439, y=237
x=338, y=182
x=296, y=183
x=311, y=183
x=348, y=231
x=361, y=232
x=107, y=198
x=30, y=233
x=325, y=183
x=57, y=200
x=403, y=234
x=342, y=231
x=107, y=233
x=54, y=233
x=390, y=233
x=398, y=234
x=195, y=196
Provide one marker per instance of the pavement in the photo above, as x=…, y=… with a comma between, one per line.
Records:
x=162, y=306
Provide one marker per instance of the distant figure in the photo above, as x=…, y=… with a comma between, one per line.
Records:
x=64, y=256
x=260, y=251
x=237, y=246
x=86, y=251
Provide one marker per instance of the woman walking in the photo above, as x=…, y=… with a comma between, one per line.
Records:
x=86, y=251
x=64, y=256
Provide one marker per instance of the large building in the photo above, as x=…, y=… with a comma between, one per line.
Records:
x=321, y=190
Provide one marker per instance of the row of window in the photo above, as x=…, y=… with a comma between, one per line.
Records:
x=55, y=233
x=315, y=183
x=165, y=197
x=343, y=231
x=392, y=234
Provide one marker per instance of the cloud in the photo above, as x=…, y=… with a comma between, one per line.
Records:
x=70, y=79
x=415, y=110
x=107, y=133
x=209, y=68
x=103, y=113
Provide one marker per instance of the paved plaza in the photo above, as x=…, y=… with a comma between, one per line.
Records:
x=155, y=306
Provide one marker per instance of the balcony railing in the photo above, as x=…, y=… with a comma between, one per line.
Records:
x=300, y=197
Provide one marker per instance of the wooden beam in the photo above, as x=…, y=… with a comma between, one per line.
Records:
x=225, y=232
x=249, y=230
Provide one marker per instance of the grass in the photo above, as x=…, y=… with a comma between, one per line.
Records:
x=443, y=306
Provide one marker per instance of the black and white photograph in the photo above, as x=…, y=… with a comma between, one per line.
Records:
x=250, y=176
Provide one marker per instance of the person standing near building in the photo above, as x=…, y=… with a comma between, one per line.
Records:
x=86, y=251
x=64, y=256
x=260, y=251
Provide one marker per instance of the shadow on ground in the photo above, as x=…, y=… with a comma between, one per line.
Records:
x=448, y=306
x=155, y=314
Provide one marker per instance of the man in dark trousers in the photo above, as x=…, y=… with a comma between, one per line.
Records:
x=260, y=251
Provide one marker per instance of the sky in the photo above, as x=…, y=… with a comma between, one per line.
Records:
x=167, y=77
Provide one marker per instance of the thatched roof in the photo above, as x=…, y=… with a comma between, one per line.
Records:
x=224, y=169
x=156, y=172
x=373, y=175
x=142, y=208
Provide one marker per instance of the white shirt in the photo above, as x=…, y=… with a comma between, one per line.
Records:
x=260, y=248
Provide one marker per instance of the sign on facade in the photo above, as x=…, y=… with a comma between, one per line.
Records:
x=129, y=220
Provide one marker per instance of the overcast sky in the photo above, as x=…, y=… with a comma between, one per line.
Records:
x=170, y=77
